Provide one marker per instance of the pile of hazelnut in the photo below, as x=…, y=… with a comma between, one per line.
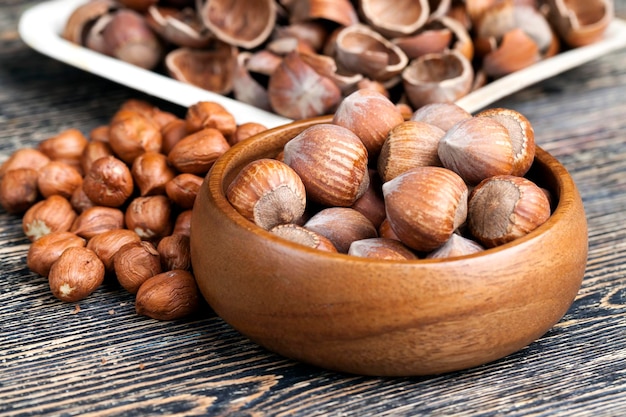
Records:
x=372, y=183
x=118, y=202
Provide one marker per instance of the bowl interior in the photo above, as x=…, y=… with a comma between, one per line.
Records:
x=379, y=317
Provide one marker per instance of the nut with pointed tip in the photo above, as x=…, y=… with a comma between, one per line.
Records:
x=151, y=173
x=67, y=146
x=425, y=205
x=477, y=148
x=331, y=161
x=132, y=133
x=268, y=192
x=53, y=214
x=183, y=189
x=150, y=217
x=457, y=245
x=342, y=226
x=505, y=207
x=76, y=274
x=381, y=248
x=408, y=145
x=174, y=251
x=196, y=153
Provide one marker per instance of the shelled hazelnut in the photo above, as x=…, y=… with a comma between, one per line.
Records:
x=122, y=195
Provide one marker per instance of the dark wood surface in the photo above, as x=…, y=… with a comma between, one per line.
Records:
x=106, y=360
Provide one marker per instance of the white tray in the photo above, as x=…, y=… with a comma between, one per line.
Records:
x=41, y=25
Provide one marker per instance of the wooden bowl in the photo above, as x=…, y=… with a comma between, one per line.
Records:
x=377, y=317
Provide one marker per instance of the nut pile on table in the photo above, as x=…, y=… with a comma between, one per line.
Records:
x=118, y=202
x=300, y=58
x=372, y=184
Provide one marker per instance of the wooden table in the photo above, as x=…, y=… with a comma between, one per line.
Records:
x=106, y=360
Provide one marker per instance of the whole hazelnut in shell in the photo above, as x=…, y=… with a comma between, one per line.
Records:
x=425, y=205
x=504, y=208
x=268, y=192
x=331, y=161
x=477, y=148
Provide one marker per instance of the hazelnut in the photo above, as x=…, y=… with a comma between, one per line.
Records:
x=442, y=115
x=409, y=144
x=134, y=263
x=425, y=205
x=342, y=226
x=172, y=133
x=108, y=243
x=109, y=182
x=132, y=134
x=268, y=192
x=196, y=153
x=79, y=200
x=371, y=203
x=58, y=178
x=477, y=148
x=504, y=208
x=24, y=158
x=92, y=152
x=149, y=217
x=522, y=136
x=245, y=131
x=66, y=147
x=183, y=189
x=151, y=172
x=175, y=252
x=45, y=251
x=457, y=245
x=356, y=113
x=306, y=237
x=99, y=134
x=169, y=295
x=208, y=114
x=182, y=225
x=332, y=163
x=18, y=190
x=76, y=274
x=381, y=248
x=53, y=214
x=96, y=220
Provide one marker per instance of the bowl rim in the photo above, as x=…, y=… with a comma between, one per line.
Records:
x=563, y=184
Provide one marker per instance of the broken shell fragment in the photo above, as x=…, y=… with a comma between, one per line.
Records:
x=580, y=22
x=182, y=27
x=397, y=19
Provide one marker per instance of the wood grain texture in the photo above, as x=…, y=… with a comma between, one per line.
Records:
x=104, y=360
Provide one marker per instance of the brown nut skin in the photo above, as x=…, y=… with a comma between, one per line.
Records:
x=174, y=251
x=196, y=153
x=18, y=190
x=245, y=131
x=96, y=220
x=371, y=203
x=151, y=173
x=442, y=115
x=134, y=263
x=109, y=182
x=332, y=163
x=425, y=205
x=66, y=147
x=268, y=192
x=355, y=113
x=79, y=200
x=457, y=245
x=504, y=208
x=183, y=189
x=208, y=114
x=149, y=217
x=306, y=237
x=182, y=225
x=107, y=244
x=58, y=178
x=522, y=136
x=131, y=134
x=24, y=158
x=53, y=214
x=381, y=248
x=342, y=226
x=45, y=251
x=169, y=295
x=76, y=274
x=477, y=148
x=172, y=133
x=92, y=152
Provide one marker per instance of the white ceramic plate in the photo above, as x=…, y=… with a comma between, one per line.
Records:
x=41, y=25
